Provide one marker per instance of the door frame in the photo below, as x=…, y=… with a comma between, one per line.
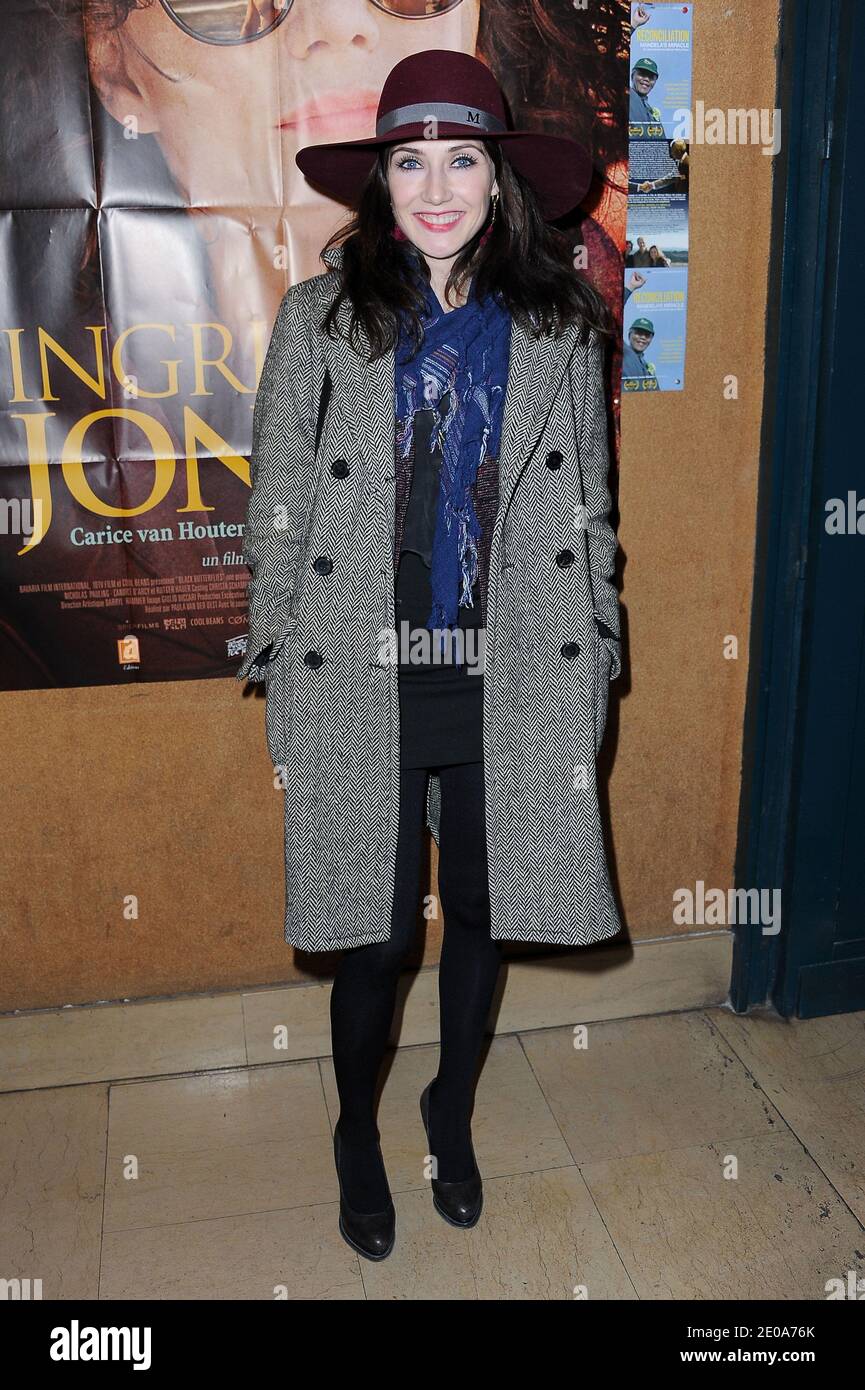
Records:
x=814, y=95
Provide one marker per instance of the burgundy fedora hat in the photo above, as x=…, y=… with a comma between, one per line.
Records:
x=452, y=94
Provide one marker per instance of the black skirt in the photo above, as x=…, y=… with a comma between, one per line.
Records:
x=440, y=704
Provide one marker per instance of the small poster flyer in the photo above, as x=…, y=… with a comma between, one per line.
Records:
x=656, y=250
x=653, y=355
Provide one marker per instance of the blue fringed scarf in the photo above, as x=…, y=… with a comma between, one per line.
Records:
x=465, y=351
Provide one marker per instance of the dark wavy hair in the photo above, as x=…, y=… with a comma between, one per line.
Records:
x=524, y=259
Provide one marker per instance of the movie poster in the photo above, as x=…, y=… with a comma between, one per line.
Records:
x=656, y=248
x=151, y=218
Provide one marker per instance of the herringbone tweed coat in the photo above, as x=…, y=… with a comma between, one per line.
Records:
x=318, y=539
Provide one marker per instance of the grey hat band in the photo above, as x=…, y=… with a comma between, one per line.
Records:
x=451, y=111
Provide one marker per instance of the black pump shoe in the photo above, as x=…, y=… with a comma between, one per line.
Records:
x=460, y=1203
x=370, y=1234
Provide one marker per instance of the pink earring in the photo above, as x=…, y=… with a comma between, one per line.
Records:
x=398, y=234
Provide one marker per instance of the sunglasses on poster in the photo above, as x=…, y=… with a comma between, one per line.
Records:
x=244, y=21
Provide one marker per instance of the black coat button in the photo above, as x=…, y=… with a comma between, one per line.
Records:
x=555, y=458
x=314, y=659
x=571, y=649
x=339, y=468
x=565, y=558
x=322, y=565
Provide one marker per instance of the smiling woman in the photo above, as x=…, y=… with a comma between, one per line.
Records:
x=424, y=176
x=460, y=481
x=486, y=205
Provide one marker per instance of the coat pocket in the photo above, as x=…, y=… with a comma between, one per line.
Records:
x=277, y=711
x=603, y=662
x=269, y=628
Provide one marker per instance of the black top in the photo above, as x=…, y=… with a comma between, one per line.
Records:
x=441, y=704
x=413, y=587
x=420, y=518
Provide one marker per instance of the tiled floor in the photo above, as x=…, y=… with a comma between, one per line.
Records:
x=684, y=1155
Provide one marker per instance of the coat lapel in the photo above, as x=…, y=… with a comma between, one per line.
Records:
x=369, y=385
x=535, y=370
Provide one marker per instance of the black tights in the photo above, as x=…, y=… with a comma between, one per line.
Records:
x=364, y=988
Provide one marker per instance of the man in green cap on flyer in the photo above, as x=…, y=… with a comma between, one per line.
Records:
x=640, y=335
x=643, y=79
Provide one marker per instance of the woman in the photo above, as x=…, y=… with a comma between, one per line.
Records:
x=430, y=453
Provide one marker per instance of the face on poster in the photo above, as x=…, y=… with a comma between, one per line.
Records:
x=167, y=134
x=228, y=92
